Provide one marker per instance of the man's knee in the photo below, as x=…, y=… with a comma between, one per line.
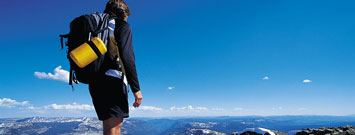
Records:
x=113, y=123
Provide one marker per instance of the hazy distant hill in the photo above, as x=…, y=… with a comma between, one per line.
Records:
x=172, y=126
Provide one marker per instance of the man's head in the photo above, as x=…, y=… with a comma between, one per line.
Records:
x=117, y=8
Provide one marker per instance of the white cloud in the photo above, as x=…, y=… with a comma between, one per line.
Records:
x=217, y=109
x=73, y=106
x=146, y=108
x=10, y=103
x=277, y=108
x=59, y=75
x=307, y=81
x=25, y=109
x=171, y=88
x=201, y=108
x=177, y=108
x=189, y=107
x=238, y=109
x=266, y=78
x=31, y=107
x=302, y=109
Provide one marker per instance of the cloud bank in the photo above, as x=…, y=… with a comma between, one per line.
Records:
x=238, y=109
x=74, y=106
x=13, y=108
x=146, y=108
x=59, y=75
x=174, y=108
x=277, y=108
x=10, y=103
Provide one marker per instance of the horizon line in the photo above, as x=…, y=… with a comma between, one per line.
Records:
x=353, y=115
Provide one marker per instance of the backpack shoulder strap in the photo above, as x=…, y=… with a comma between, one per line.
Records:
x=61, y=39
x=113, y=45
x=72, y=78
x=100, y=19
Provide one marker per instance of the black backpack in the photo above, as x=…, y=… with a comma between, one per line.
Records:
x=82, y=29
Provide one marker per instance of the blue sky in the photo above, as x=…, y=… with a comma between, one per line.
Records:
x=194, y=58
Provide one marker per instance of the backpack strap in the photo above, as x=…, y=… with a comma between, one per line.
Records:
x=72, y=78
x=115, y=51
x=99, y=31
x=91, y=25
x=94, y=48
x=121, y=62
x=96, y=31
x=61, y=39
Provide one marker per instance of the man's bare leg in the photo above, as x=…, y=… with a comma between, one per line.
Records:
x=112, y=126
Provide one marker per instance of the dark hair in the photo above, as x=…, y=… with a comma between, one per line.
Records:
x=117, y=8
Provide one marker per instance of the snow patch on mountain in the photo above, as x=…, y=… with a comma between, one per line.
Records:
x=203, y=125
x=259, y=130
x=195, y=131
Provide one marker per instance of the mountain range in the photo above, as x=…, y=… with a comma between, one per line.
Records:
x=273, y=125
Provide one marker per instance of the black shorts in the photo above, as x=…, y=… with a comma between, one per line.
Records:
x=109, y=96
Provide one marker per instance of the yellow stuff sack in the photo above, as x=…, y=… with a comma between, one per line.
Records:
x=88, y=52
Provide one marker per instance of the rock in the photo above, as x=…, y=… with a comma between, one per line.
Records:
x=250, y=133
x=339, y=130
x=329, y=131
x=350, y=131
x=346, y=130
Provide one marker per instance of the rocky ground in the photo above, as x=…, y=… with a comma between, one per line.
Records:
x=346, y=130
x=256, y=133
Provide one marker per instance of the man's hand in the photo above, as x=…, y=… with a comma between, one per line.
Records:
x=139, y=97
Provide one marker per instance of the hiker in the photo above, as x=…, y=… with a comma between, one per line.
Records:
x=109, y=91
